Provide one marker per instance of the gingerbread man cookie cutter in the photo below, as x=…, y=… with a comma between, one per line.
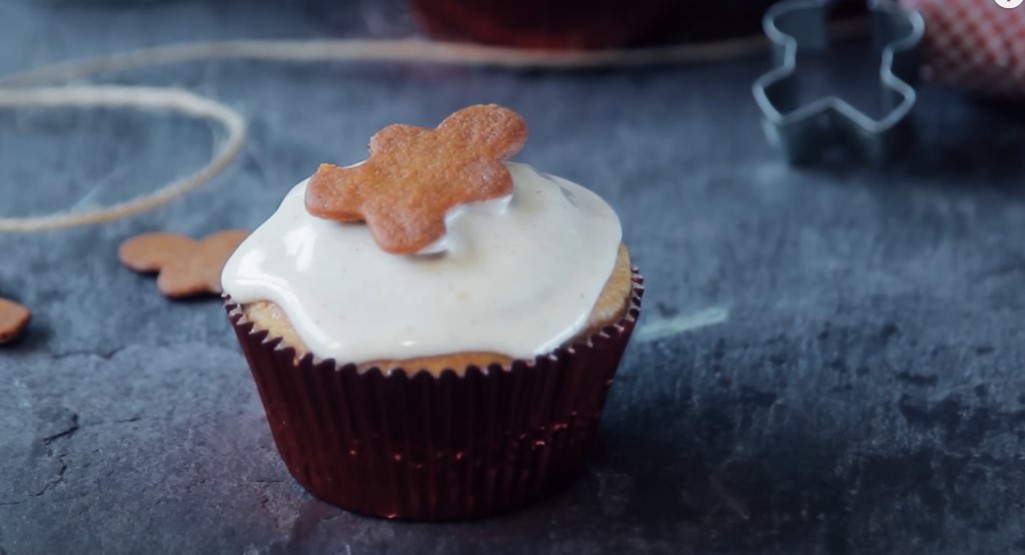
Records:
x=801, y=133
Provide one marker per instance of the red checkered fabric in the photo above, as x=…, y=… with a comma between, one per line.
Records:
x=974, y=44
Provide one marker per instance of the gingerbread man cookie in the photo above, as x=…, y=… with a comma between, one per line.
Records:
x=187, y=267
x=13, y=320
x=415, y=175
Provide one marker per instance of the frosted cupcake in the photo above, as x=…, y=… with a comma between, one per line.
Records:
x=433, y=331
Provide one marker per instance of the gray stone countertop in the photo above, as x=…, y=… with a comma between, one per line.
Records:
x=830, y=359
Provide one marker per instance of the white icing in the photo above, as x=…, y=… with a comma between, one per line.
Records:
x=517, y=276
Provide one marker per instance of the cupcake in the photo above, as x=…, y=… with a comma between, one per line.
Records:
x=433, y=331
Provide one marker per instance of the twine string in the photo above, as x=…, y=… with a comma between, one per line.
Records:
x=34, y=89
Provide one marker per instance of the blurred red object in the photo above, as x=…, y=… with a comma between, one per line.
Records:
x=974, y=45
x=562, y=24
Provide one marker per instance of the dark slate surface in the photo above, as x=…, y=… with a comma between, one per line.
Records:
x=830, y=360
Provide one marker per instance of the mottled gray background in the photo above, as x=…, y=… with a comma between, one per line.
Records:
x=830, y=360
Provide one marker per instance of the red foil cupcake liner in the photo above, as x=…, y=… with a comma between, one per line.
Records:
x=435, y=447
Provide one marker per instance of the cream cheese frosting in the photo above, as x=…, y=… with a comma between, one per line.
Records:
x=517, y=275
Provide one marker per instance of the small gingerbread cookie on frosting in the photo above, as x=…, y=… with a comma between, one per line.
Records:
x=414, y=176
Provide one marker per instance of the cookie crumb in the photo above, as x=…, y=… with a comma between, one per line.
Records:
x=415, y=175
x=13, y=320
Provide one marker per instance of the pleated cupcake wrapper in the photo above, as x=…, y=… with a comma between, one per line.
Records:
x=435, y=447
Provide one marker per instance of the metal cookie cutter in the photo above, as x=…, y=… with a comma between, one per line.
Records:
x=804, y=131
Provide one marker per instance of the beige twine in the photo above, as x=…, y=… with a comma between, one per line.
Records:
x=23, y=90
